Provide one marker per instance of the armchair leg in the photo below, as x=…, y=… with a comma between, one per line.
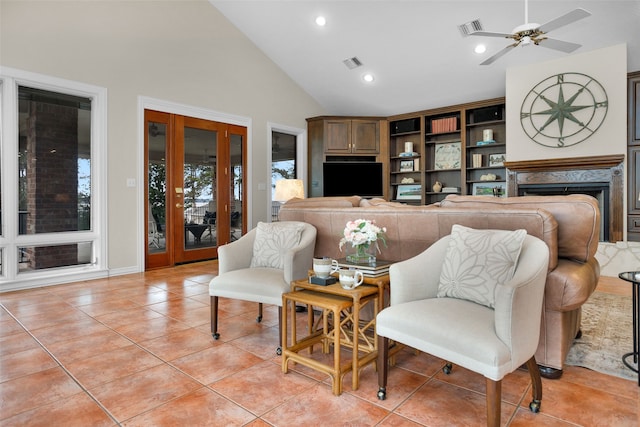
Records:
x=259, y=318
x=536, y=385
x=383, y=366
x=280, y=331
x=214, y=318
x=494, y=396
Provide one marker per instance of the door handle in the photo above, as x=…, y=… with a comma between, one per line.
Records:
x=178, y=205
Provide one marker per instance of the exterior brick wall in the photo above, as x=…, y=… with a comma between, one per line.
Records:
x=52, y=180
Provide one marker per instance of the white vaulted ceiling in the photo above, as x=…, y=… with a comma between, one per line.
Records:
x=415, y=50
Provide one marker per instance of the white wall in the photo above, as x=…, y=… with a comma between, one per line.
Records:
x=182, y=52
x=609, y=67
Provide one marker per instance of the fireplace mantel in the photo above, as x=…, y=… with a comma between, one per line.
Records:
x=575, y=170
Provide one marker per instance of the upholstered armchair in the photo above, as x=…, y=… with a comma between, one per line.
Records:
x=261, y=265
x=473, y=299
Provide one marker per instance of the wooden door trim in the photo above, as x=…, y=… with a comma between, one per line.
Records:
x=166, y=258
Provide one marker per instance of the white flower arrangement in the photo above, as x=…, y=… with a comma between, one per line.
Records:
x=361, y=233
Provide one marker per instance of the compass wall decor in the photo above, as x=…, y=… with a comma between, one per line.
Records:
x=564, y=109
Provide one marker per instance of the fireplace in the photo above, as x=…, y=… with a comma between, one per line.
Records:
x=599, y=176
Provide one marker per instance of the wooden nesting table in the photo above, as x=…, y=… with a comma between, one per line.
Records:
x=346, y=329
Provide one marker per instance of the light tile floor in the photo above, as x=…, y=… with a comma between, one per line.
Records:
x=136, y=350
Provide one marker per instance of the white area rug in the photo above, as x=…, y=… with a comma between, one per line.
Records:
x=606, y=335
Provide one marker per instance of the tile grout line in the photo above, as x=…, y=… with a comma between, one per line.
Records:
x=146, y=350
x=82, y=387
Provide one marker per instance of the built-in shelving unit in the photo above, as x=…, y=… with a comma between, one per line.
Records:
x=445, y=141
x=443, y=145
x=341, y=140
x=486, y=149
x=406, y=167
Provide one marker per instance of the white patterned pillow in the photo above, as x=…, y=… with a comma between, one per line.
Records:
x=272, y=242
x=478, y=260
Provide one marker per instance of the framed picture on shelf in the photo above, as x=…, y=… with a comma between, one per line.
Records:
x=490, y=188
x=406, y=165
x=447, y=156
x=409, y=192
x=496, y=160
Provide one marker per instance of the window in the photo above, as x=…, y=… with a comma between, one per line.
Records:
x=283, y=163
x=53, y=148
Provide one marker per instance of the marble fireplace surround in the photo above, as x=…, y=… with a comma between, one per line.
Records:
x=596, y=170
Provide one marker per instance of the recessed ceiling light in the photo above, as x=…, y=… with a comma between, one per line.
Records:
x=321, y=21
x=480, y=48
x=368, y=78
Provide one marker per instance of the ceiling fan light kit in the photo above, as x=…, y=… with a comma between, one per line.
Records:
x=533, y=33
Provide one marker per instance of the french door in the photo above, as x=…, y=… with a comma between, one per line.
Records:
x=195, y=187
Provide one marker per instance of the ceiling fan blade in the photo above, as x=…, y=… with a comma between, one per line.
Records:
x=560, y=45
x=563, y=20
x=500, y=53
x=490, y=34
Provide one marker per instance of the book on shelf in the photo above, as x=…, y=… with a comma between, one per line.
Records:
x=450, y=189
x=445, y=124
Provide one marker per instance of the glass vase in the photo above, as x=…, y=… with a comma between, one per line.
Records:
x=362, y=254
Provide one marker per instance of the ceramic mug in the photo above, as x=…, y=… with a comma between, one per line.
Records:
x=350, y=279
x=323, y=267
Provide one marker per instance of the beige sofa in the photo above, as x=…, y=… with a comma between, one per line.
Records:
x=569, y=225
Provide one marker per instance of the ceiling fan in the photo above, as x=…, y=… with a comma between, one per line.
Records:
x=154, y=131
x=530, y=32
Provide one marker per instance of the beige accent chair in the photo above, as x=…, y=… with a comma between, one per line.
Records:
x=261, y=265
x=490, y=341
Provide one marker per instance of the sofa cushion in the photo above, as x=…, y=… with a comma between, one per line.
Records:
x=578, y=217
x=318, y=202
x=476, y=261
x=377, y=202
x=272, y=242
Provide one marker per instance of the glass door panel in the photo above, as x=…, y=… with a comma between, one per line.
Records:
x=200, y=211
x=157, y=142
x=196, y=221
x=195, y=187
x=157, y=203
x=237, y=188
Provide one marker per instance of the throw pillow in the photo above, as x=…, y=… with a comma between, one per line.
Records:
x=272, y=242
x=476, y=261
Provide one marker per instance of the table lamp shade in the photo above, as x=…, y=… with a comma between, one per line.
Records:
x=287, y=189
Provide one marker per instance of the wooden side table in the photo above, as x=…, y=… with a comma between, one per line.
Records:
x=382, y=282
x=330, y=305
x=362, y=336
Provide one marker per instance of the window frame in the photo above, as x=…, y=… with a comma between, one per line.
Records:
x=10, y=239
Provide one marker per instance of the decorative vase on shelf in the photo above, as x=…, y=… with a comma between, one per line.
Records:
x=437, y=187
x=362, y=254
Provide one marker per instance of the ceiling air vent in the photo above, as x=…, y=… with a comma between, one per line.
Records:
x=352, y=63
x=470, y=27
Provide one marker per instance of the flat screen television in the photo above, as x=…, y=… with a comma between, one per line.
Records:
x=352, y=178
